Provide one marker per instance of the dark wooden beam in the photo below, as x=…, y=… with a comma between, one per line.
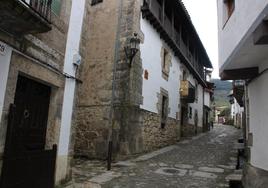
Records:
x=163, y=11
x=260, y=35
x=240, y=74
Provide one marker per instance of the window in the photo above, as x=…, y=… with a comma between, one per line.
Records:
x=190, y=112
x=165, y=59
x=56, y=6
x=196, y=92
x=229, y=7
x=164, y=111
x=94, y=2
x=166, y=63
x=184, y=75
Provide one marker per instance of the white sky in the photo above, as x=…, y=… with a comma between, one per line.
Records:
x=204, y=17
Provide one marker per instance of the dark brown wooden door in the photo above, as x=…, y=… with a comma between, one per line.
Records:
x=32, y=102
x=26, y=162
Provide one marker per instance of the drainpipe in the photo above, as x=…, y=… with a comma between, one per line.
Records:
x=203, y=129
x=116, y=59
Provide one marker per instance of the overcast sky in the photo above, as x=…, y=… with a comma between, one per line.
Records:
x=204, y=17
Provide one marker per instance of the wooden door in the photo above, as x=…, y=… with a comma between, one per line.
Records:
x=26, y=162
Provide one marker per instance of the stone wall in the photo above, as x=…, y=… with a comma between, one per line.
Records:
x=189, y=130
x=103, y=114
x=94, y=94
x=92, y=132
x=156, y=137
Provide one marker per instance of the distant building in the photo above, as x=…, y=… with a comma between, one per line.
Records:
x=243, y=45
x=237, y=103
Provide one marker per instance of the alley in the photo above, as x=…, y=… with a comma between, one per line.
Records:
x=205, y=161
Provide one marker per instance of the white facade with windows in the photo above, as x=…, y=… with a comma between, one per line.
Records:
x=243, y=56
x=151, y=60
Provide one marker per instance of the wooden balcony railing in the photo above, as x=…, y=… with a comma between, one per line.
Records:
x=25, y=16
x=187, y=91
x=41, y=7
x=167, y=26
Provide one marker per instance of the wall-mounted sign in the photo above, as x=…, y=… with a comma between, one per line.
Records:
x=3, y=47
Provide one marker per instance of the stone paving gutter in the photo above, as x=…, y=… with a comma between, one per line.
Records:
x=167, y=166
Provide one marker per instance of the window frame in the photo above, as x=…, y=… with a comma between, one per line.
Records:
x=95, y=2
x=166, y=62
x=164, y=110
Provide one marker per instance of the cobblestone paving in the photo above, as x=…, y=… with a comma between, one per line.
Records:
x=206, y=161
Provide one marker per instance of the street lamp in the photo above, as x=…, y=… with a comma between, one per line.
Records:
x=132, y=48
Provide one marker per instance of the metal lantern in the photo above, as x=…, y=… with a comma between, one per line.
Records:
x=132, y=48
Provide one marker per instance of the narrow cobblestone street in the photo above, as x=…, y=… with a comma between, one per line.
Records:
x=205, y=161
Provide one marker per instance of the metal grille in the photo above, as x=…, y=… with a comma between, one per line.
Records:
x=41, y=7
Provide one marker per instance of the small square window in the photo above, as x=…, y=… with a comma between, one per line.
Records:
x=94, y=2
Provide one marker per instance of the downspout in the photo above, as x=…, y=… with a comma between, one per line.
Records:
x=116, y=59
x=203, y=128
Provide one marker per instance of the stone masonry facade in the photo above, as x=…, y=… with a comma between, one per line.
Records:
x=189, y=130
x=109, y=98
x=154, y=136
x=94, y=95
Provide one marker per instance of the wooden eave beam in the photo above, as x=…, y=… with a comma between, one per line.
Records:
x=240, y=74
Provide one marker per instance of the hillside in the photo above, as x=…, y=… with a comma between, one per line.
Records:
x=222, y=91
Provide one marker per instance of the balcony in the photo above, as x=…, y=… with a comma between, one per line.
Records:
x=20, y=17
x=187, y=92
x=239, y=91
x=165, y=26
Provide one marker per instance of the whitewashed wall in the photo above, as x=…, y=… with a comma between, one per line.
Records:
x=246, y=16
x=207, y=98
x=5, y=57
x=236, y=109
x=151, y=61
x=72, y=48
x=258, y=108
x=198, y=104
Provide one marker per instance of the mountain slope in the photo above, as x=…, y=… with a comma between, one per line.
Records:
x=222, y=91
